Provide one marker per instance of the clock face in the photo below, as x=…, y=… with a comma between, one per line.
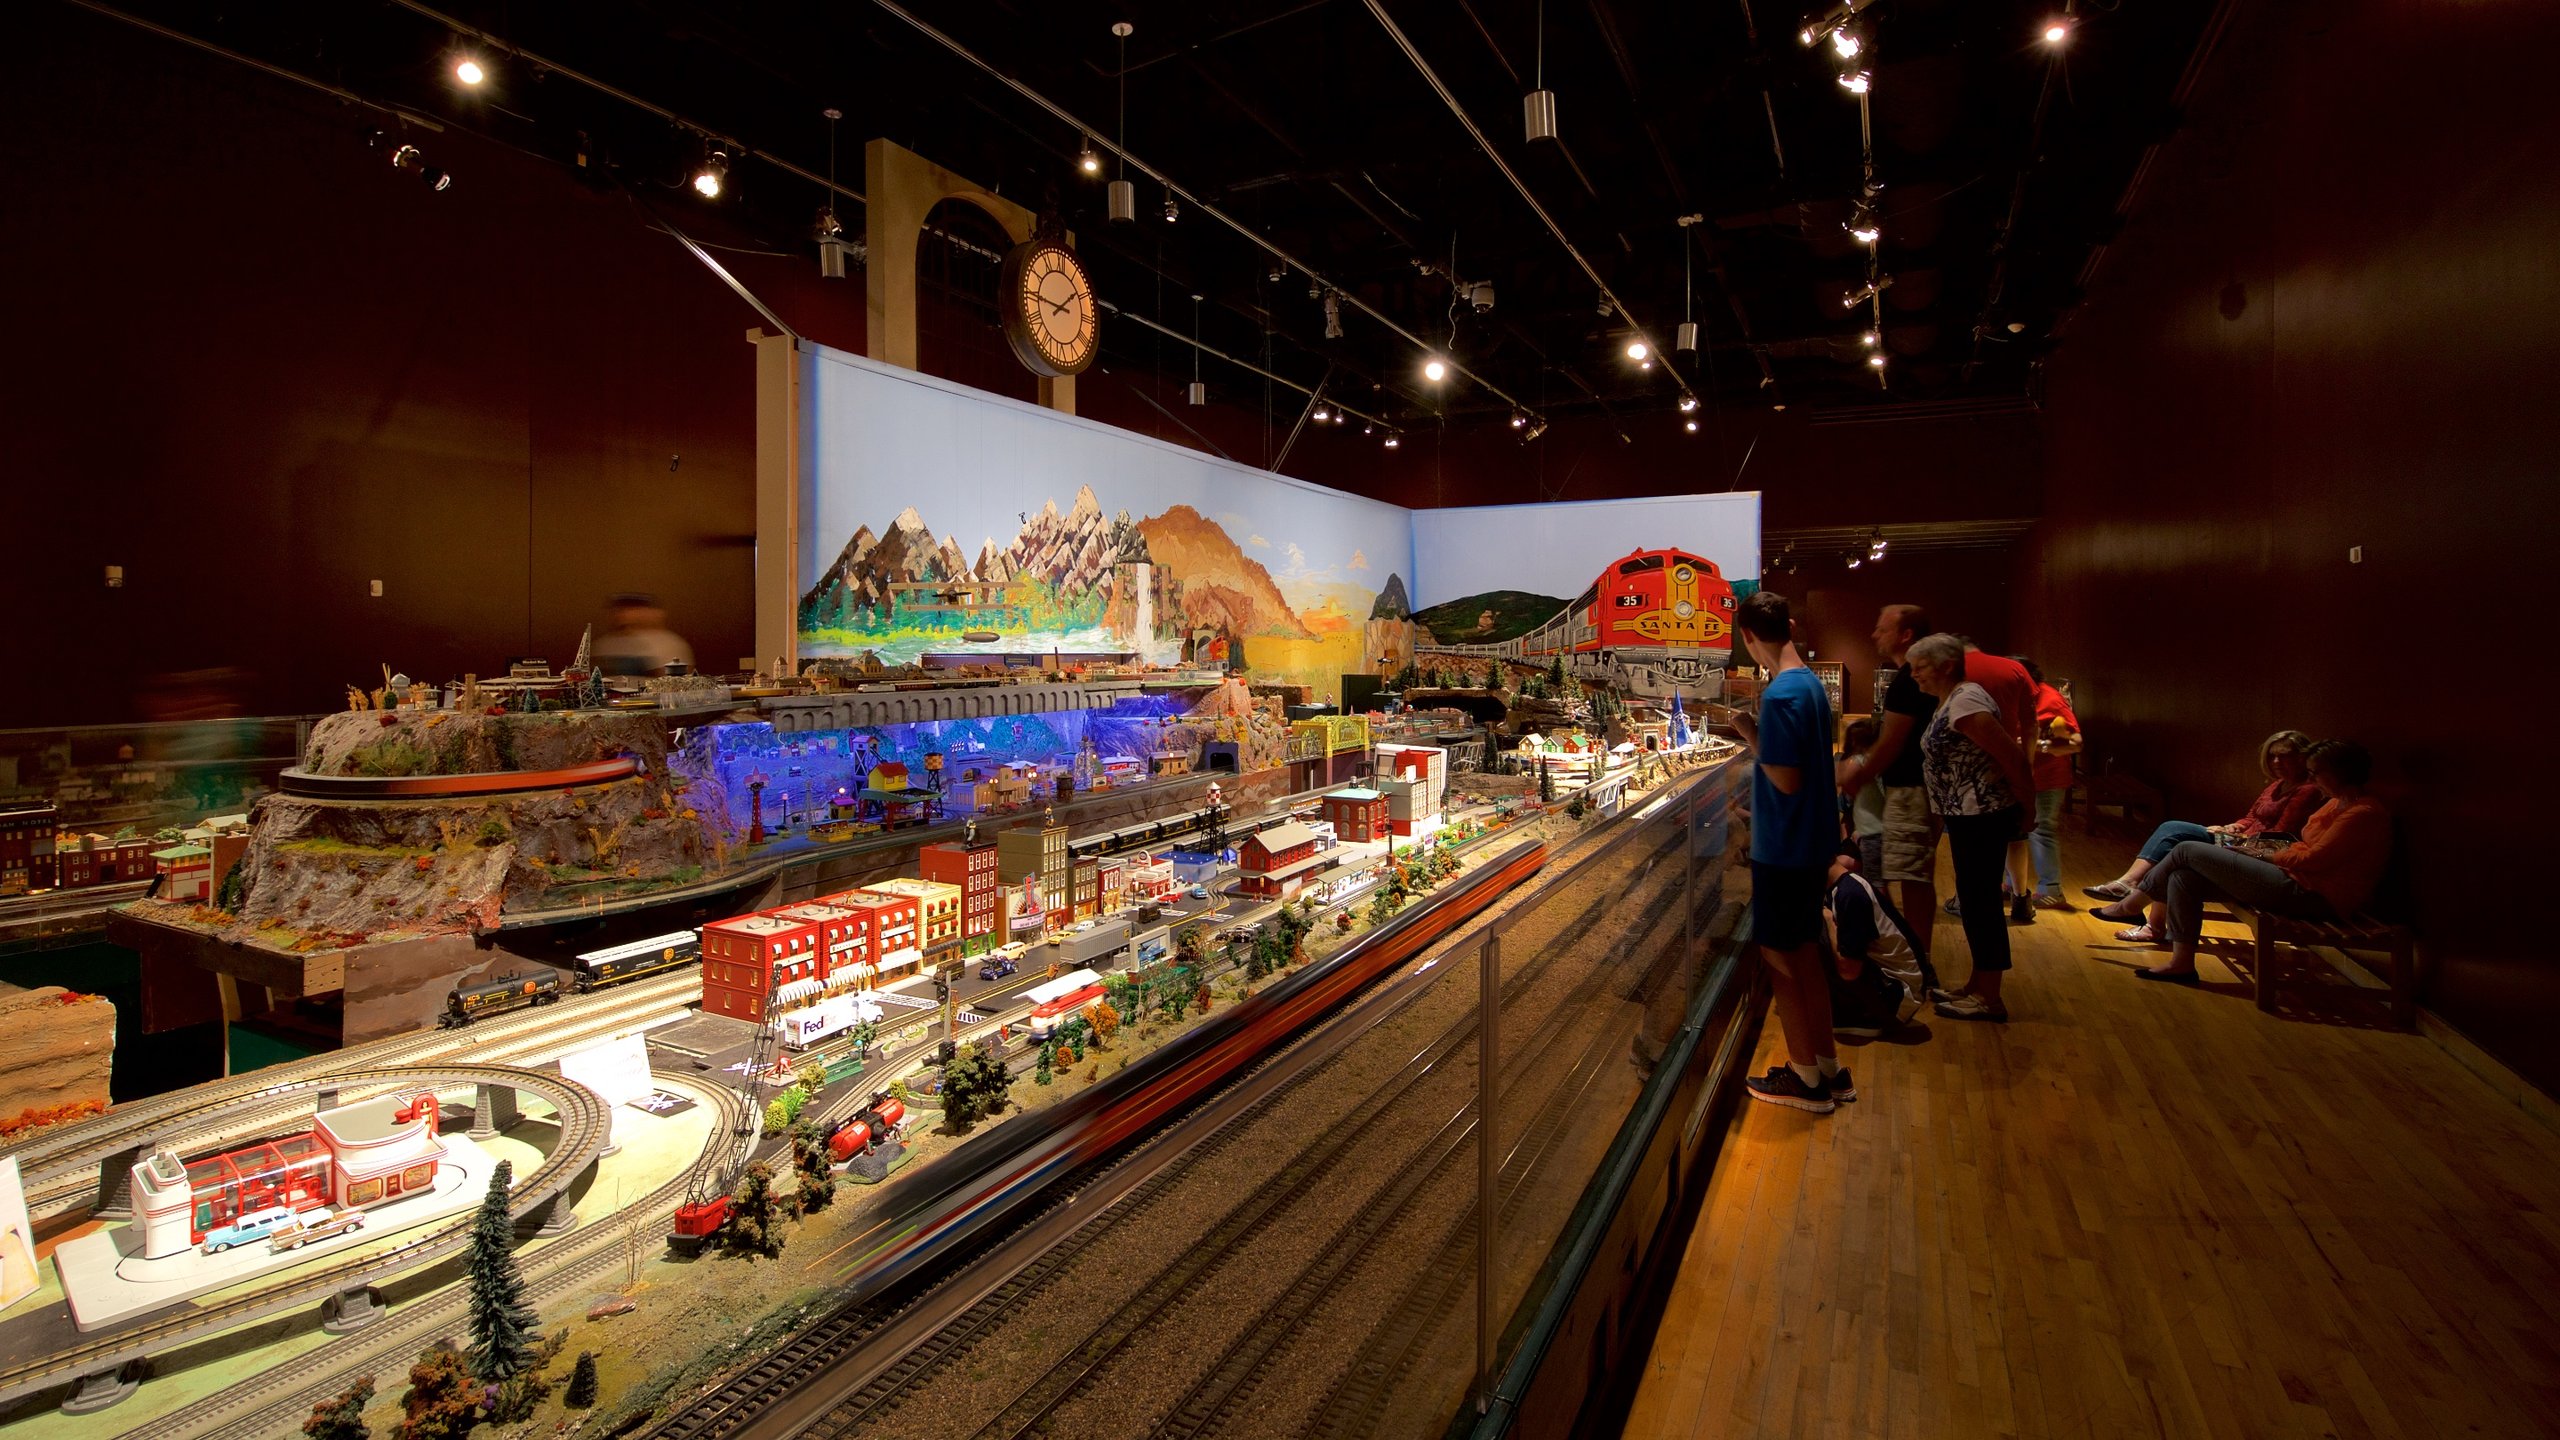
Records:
x=1049, y=308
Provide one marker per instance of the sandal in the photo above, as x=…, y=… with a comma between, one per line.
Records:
x=2112, y=890
x=2141, y=935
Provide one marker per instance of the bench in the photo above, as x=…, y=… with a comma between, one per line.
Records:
x=2355, y=935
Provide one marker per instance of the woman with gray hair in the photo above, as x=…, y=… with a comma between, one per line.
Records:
x=1978, y=779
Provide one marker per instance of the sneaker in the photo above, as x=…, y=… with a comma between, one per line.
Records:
x=2022, y=911
x=1953, y=906
x=1941, y=995
x=1860, y=1031
x=2051, y=901
x=1972, y=1007
x=1782, y=1086
x=2112, y=890
x=1843, y=1089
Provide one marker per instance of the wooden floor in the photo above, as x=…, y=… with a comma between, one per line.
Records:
x=2133, y=1210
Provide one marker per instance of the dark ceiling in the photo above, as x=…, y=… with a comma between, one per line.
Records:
x=1310, y=126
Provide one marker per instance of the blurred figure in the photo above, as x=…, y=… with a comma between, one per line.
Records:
x=639, y=642
x=2057, y=740
x=1864, y=820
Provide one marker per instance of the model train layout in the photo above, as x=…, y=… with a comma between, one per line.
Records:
x=595, y=970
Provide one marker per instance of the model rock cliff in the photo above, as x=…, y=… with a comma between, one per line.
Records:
x=56, y=1047
x=323, y=872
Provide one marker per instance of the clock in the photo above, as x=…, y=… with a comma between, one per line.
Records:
x=1049, y=311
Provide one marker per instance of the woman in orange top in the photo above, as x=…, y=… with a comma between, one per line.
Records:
x=2329, y=874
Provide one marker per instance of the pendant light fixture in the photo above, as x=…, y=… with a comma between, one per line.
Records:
x=1198, y=394
x=1123, y=196
x=1538, y=107
x=831, y=241
x=1686, y=338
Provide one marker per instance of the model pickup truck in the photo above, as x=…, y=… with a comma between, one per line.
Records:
x=315, y=1225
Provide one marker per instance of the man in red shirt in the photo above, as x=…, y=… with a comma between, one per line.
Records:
x=2057, y=739
x=2014, y=691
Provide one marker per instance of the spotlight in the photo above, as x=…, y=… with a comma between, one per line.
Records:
x=1808, y=35
x=1172, y=211
x=1087, y=161
x=2057, y=30
x=1536, y=429
x=1844, y=43
x=1856, y=82
x=1692, y=426
x=469, y=71
x=1518, y=420
x=712, y=175
x=1368, y=429
x=1321, y=415
x=1875, y=362
x=1871, y=339
x=1332, y=316
x=1688, y=403
x=1433, y=371
x=1856, y=560
x=409, y=160
x=1864, y=229
x=1391, y=442
x=2017, y=327
x=1636, y=350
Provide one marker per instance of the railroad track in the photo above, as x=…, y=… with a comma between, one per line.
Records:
x=1305, y=1173
x=582, y=1119
x=275, y=1401
x=41, y=1155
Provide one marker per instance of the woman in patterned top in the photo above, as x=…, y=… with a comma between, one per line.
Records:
x=1978, y=779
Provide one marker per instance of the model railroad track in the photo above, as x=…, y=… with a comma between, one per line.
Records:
x=747, y=1397
x=275, y=1401
x=1396, y=1342
x=1033, y=1411
x=102, y=1135
x=582, y=1119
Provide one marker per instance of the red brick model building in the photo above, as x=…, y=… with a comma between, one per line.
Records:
x=747, y=957
x=1357, y=815
x=98, y=860
x=1278, y=860
x=26, y=848
x=897, y=939
x=971, y=865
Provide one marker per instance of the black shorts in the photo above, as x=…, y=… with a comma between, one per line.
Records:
x=1786, y=904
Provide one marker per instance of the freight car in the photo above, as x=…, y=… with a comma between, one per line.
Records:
x=511, y=991
x=615, y=964
x=873, y=1125
x=596, y=969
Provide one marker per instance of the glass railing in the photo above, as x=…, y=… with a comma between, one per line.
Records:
x=1618, y=978
x=147, y=776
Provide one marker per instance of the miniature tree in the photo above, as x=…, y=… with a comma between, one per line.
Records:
x=975, y=1085
x=514, y=1398
x=1045, y=1073
x=1555, y=674
x=1265, y=955
x=1382, y=908
x=813, y=1076
x=342, y=1417
x=443, y=1402
x=816, y=1171
x=1546, y=782
x=1493, y=674
x=1106, y=1023
x=502, y=1323
x=754, y=1226
x=582, y=1383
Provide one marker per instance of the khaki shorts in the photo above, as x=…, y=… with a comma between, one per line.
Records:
x=1910, y=836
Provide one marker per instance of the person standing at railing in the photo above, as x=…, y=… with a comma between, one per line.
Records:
x=1795, y=827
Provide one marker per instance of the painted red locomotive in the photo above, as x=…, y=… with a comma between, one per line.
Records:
x=1651, y=600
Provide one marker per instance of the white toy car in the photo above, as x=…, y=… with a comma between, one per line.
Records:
x=313, y=1225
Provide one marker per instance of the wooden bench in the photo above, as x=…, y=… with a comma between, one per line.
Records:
x=2355, y=935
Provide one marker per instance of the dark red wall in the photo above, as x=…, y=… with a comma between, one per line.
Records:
x=2330, y=323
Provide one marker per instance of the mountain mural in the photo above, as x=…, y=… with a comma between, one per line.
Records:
x=1484, y=619
x=1391, y=603
x=1221, y=585
x=869, y=564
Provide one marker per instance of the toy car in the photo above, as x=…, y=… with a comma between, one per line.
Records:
x=997, y=968
x=251, y=1225
x=1199, y=892
x=313, y=1225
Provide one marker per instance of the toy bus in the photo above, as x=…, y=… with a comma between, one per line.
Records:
x=1054, y=1000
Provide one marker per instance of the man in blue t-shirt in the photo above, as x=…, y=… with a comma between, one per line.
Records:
x=1795, y=829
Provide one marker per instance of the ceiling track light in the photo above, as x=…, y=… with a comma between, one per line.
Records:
x=1691, y=425
x=1120, y=197
x=1434, y=370
x=2057, y=30
x=1197, y=393
x=468, y=70
x=712, y=175
x=1537, y=427
x=1086, y=160
x=1871, y=339
x=1688, y=403
x=1332, y=316
x=1637, y=350
x=1876, y=361
x=1857, y=82
x=1172, y=211
x=1519, y=421
x=1391, y=440
x=410, y=160
x=1845, y=42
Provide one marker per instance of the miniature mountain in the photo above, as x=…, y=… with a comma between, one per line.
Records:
x=1073, y=552
x=1492, y=616
x=1391, y=604
x=992, y=566
x=1221, y=585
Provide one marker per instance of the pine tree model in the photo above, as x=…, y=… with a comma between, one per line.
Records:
x=582, y=1382
x=502, y=1324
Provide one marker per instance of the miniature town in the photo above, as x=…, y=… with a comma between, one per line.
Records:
x=643, y=1115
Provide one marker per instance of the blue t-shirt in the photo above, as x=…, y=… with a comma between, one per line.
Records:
x=1795, y=729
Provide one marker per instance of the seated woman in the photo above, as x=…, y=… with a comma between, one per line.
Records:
x=2328, y=874
x=2280, y=809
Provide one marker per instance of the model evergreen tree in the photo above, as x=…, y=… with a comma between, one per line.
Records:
x=1493, y=674
x=443, y=1402
x=755, y=1220
x=582, y=1383
x=975, y=1084
x=502, y=1324
x=817, y=1173
x=1546, y=782
x=1555, y=674
x=342, y=1418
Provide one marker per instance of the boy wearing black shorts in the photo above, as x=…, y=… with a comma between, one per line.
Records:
x=1795, y=827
